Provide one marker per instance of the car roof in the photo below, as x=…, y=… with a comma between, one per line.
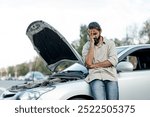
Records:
x=130, y=48
x=133, y=46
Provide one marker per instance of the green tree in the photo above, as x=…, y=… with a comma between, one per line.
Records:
x=117, y=42
x=145, y=31
x=131, y=34
x=11, y=70
x=78, y=44
x=3, y=71
x=38, y=65
x=22, y=69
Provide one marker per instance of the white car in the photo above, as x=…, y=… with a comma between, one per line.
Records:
x=33, y=76
x=67, y=82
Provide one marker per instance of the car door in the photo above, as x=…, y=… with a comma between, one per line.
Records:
x=136, y=84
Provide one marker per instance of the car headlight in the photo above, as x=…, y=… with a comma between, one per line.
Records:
x=29, y=96
x=33, y=95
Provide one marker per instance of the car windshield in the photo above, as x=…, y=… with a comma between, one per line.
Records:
x=37, y=75
x=120, y=49
x=70, y=66
x=76, y=67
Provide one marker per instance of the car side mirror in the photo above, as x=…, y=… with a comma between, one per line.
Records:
x=124, y=67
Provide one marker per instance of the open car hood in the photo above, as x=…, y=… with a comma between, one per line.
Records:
x=51, y=45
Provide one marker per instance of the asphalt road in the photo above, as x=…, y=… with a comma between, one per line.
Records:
x=4, y=84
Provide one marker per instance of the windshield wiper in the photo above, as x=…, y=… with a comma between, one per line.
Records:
x=70, y=75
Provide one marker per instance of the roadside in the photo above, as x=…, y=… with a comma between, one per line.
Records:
x=4, y=84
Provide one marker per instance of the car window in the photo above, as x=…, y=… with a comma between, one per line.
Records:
x=63, y=66
x=140, y=59
x=134, y=61
x=145, y=62
x=120, y=49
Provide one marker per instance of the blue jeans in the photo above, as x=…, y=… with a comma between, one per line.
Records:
x=104, y=90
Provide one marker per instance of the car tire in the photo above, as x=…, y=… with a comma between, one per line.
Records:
x=78, y=98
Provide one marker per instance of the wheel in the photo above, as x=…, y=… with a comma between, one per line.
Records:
x=76, y=98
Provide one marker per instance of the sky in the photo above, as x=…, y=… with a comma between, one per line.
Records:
x=66, y=16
